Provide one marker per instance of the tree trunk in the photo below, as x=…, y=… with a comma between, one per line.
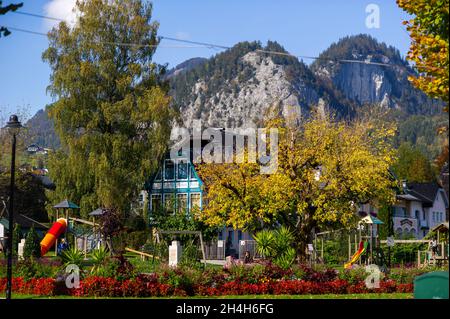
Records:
x=304, y=235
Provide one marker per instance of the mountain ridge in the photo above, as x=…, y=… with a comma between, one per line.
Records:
x=235, y=87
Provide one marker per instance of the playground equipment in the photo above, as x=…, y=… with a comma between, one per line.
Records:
x=361, y=250
x=50, y=238
x=440, y=256
x=64, y=206
x=142, y=254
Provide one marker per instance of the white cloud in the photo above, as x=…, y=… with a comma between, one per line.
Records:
x=62, y=9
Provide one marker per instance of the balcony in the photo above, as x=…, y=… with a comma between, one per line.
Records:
x=405, y=223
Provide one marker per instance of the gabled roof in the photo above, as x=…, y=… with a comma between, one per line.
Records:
x=425, y=192
x=66, y=204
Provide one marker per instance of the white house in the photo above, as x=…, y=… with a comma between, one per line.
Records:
x=419, y=208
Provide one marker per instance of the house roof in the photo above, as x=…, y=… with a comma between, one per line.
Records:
x=441, y=227
x=66, y=204
x=371, y=220
x=425, y=192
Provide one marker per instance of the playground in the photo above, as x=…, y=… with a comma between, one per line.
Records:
x=174, y=264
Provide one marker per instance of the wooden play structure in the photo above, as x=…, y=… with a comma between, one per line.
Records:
x=85, y=239
x=440, y=257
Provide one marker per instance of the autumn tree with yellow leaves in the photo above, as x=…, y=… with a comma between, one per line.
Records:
x=325, y=168
x=429, y=44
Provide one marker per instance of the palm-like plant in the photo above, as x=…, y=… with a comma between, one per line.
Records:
x=99, y=256
x=264, y=243
x=72, y=256
x=286, y=259
x=283, y=239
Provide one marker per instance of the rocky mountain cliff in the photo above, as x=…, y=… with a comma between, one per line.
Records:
x=384, y=81
x=236, y=87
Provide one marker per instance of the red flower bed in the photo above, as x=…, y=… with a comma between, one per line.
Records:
x=39, y=286
x=149, y=287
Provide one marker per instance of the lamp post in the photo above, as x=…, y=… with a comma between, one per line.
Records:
x=13, y=126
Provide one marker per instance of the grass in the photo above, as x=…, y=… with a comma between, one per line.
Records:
x=326, y=296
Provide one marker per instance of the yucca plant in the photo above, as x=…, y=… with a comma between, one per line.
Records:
x=286, y=259
x=72, y=256
x=99, y=257
x=264, y=243
x=283, y=239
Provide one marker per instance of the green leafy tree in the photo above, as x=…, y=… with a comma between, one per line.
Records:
x=112, y=112
x=32, y=247
x=413, y=165
x=3, y=10
x=30, y=197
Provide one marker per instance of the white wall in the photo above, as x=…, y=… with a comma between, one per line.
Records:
x=439, y=207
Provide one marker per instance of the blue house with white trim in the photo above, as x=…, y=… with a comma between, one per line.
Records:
x=177, y=188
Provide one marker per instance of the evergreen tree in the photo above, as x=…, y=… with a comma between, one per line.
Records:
x=32, y=245
x=17, y=236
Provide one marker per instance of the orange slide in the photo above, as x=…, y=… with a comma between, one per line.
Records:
x=54, y=232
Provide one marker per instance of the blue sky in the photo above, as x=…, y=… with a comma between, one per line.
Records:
x=303, y=27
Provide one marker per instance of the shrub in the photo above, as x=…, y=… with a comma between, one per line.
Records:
x=32, y=244
x=33, y=268
x=354, y=275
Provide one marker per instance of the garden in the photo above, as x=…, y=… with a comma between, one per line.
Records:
x=125, y=275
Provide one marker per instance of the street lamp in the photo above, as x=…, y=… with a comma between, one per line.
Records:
x=13, y=126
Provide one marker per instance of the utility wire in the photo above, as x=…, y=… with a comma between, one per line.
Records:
x=114, y=43
x=37, y=15
x=200, y=44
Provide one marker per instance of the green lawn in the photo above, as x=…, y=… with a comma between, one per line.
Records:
x=327, y=296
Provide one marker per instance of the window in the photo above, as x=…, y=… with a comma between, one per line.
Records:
x=182, y=203
x=239, y=235
x=423, y=215
x=195, y=200
x=169, y=170
x=417, y=213
x=441, y=216
x=434, y=216
x=158, y=175
x=169, y=202
x=182, y=172
x=192, y=172
x=156, y=202
x=400, y=212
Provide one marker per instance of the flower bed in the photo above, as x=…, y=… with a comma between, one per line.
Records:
x=149, y=286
